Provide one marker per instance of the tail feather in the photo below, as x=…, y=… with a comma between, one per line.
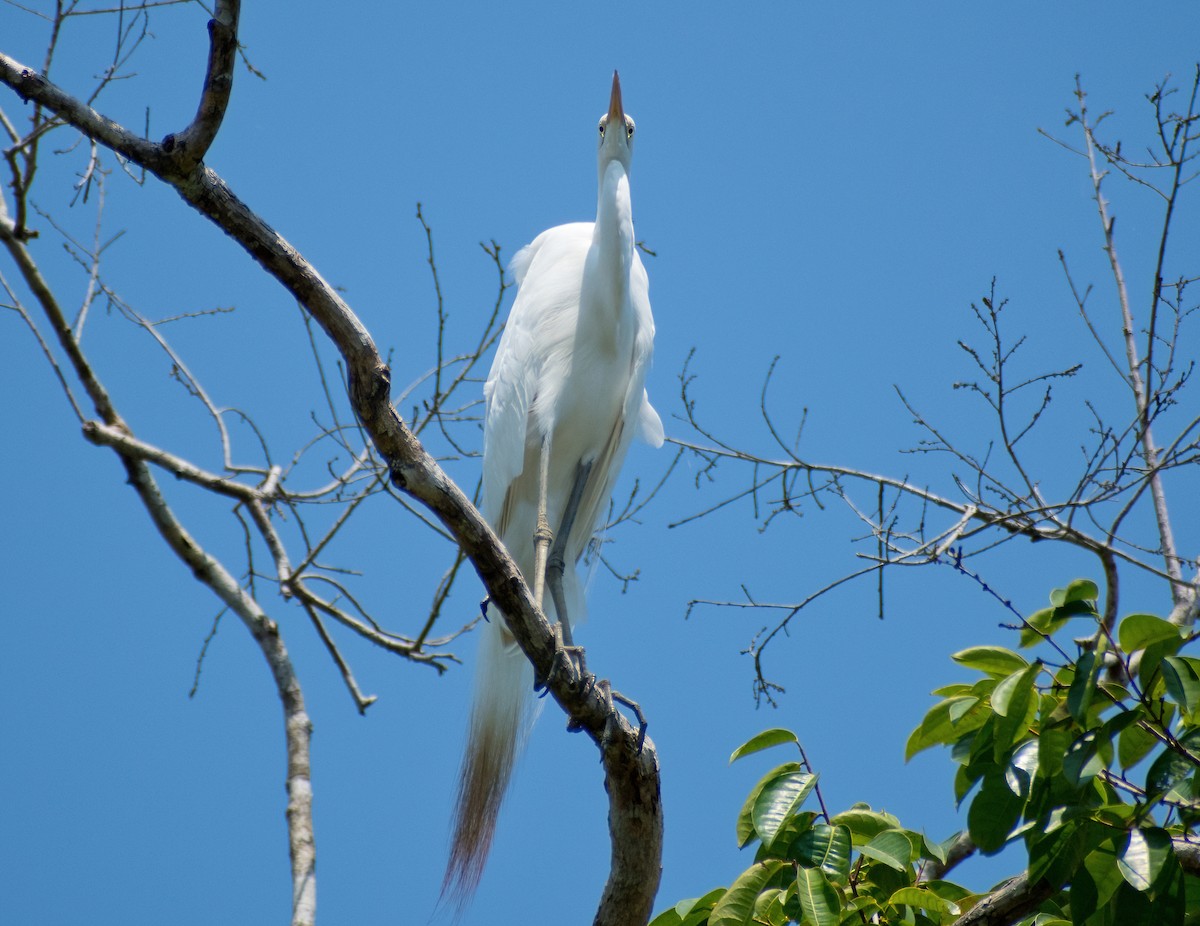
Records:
x=500, y=718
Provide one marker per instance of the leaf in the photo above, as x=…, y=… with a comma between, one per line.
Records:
x=764, y=740
x=1048, y=621
x=1019, y=707
x=993, y=813
x=1101, y=865
x=1052, y=746
x=934, y=850
x=1006, y=691
x=825, y=847
x=745, y=821
x=1079, y=697
x=944, y=723
x=1134, y=744
x=923, y=900
x=1137, y=631
x=1170, y=768
x=1142, y=859
x=736, y=908
x=1085, y=758
x=1182, y=681
x=1021, y=770
x=960, y=707
x=893, y=847
x=1077, y=590
x=864, y=824
x=1152, y=657
x=695, y=911
x=1056, y=853
x=791, y=830
x=994, y=660
x=669, y=917
x=691, y=912
x=768, y=907
x=778, y=799
x=819, y=900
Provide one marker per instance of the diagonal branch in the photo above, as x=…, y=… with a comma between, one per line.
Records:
x=631, y=768
x=193, y=143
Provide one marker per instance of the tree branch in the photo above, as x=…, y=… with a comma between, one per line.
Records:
x=635, y=817
x=207, y=569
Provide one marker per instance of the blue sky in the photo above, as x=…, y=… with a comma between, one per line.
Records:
x=833, y=184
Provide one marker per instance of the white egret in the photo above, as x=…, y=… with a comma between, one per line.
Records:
x=565, y=397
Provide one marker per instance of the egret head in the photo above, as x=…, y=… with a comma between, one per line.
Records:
x=616, y=130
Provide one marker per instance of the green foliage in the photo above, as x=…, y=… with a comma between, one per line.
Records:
x=1045, y=751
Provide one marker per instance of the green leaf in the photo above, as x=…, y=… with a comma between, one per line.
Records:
x=1006, y=691
x=1182, y=681
x=1085, y=758
x=1048, y=621
x=960, y=707
x=944, y=723
x=819, y=900
x=1101, y=866
x=669, y=917
x=736, y=908
x=893, y=847
x=825, y=847
x=1052, y=746
x=1170, y=768
x=994, y=660
x=934, y=850
x=1143, y=856
x=764, y=740
x=745, y=821
x=923, y=900
x=1079, y=697
x=951, y=691
x=1016, y=709
x=993, y=813
x=791, y=830
x=864, y=824
x=768, y=907
x=691, y=912
x=1134, y=744
x=1056, y=853
x=1137, y=631
x=1077, y=590
x=1152, y=657
x=1021, y=770
x=778, y=799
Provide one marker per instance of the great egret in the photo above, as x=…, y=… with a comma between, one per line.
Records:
x=564, y=398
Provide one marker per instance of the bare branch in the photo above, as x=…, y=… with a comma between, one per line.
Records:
x=631, y=767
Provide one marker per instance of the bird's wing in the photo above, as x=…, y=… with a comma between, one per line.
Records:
x=650, y=426
x=513, y=381
x=507, y=396
x=637, y=400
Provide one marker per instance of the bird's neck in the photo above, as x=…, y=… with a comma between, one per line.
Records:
x=613, y=233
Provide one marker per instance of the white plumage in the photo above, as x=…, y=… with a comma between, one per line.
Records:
x=569, y=375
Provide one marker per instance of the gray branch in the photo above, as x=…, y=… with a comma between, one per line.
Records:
x=632, y=779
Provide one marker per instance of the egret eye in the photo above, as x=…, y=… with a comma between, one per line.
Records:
x=601, y=128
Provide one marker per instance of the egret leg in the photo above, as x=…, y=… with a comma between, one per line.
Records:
x=542, y=534
x=557, y=564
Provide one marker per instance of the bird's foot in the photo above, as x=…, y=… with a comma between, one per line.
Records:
x=570, y=659
x=569, y=662
x=483, y=606
x=610, y=727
